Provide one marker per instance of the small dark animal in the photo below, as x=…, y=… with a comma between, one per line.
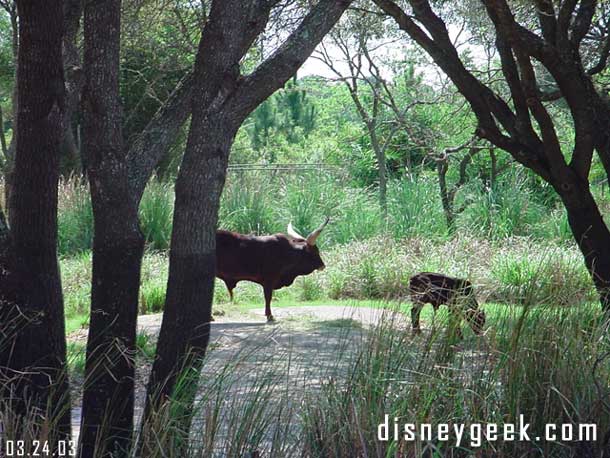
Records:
x=272, y=261
x=456, y=293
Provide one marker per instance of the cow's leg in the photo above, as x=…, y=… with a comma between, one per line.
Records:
x=476, y=319
x=230, y=286
x=268, y=296
x=455, y=322
x=415, y=311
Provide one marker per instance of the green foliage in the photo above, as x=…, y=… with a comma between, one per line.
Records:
x=153, y=283
x=158, y=47
x=156, y=213
x=76, y=283
x=508, y=271
x=75, y=217
x=247, y=207
x=544, y=276
x=146, y=345
x=7, y=62
x=508, y=208
x=262, y=202
x=414, y=208
x=287, y=115
x=76, y=357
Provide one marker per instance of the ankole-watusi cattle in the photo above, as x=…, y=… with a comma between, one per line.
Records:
x=456, y=293
x=272, y=261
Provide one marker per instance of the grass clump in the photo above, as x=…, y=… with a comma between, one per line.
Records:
x=156, y=214
x=74, y=218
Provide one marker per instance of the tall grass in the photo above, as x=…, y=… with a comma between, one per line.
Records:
x=510, y=207
x=264, y=203
x=247, y=206
x=415, y=208
x=547, y=365
x=156, y=213
x=75, y=217
x=507, y=271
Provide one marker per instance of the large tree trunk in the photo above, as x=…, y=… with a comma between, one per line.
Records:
x=38, y=356
x=590, y=232
x=108, y=397
x=188, y=305
x=185, y=328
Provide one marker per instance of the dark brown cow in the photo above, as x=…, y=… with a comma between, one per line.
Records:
x=272, y=261
x=456, y=293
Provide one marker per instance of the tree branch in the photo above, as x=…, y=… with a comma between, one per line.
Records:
x=582, y=22
x=273, y=73
x=160, y=133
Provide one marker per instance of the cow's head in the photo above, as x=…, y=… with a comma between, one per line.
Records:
x=311, y=256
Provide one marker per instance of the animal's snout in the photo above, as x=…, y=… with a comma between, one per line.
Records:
x=322, y=267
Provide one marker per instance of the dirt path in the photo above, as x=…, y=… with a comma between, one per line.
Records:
x=302, y=345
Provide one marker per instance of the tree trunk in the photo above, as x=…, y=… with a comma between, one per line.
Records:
x=383, y=184
x=190, y=287
x=108, y=397
x=382, y=173
x=39, y=351
x=590, y=232
x=446, y=199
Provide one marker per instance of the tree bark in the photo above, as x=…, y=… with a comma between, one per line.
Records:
x=38, y=357
x=108, y=397
x=590, y=231
x=441, y=169
x=188, y=307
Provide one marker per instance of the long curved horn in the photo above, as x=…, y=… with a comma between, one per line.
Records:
x=311, y=238
x=292, y=233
